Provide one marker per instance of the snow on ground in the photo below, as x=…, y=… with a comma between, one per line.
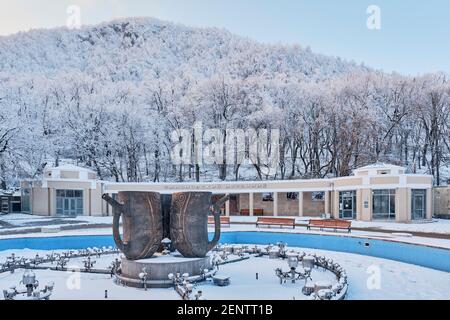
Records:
x=435, y=226
x=245, y=286
x=397, y=280
x=76, y=232
x=20, y=219
x=92, y=287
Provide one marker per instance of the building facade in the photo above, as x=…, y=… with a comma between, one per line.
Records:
x=378, y=192
x=442, y=201
x=10, y=202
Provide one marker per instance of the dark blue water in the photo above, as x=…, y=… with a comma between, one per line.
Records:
x=429, y=257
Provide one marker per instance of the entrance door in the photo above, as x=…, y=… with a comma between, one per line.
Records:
x=383, y=204
x=73, y=207
x=69, y=202
x=418, y=205
x=347, y=205
x=69, y=207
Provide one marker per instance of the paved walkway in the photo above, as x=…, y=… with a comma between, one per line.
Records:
x=414, y=233
x=14, y=231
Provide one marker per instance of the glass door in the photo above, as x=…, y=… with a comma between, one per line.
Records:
x=73, y=207
x=383, y=204
x=25, y=201
x=418, y=204
x=70, y=207
x=69, y=202
x=66, y=207
x=347, y=205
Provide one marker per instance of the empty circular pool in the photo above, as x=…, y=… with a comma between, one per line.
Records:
x=426, y=256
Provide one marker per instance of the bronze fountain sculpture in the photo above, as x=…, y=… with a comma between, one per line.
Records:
x=144, y=224
x=148, y=218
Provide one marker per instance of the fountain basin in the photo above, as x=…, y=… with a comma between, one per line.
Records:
x=158, y=267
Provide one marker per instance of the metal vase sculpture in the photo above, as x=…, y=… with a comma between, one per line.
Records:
x=142, y=223
x=189, y=223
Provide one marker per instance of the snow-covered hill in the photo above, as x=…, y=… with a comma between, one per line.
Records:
x=131, y=49
x=110, y=96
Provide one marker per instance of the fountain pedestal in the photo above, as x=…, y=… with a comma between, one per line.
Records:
x=158, y=267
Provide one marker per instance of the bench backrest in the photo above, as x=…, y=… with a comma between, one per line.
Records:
x=330, y=223
x=343, y=223
x=317, y=223
x=276, y=220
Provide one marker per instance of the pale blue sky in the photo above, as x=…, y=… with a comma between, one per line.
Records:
x=414, y=36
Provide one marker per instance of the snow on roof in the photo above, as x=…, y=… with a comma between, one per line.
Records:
x=14, y=193
x=70, y=167
x=379, y=165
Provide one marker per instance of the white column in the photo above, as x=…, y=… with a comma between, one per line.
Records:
x=327, y=202
x=275, y=204
x=300, y=204
x=50, y=202
x=429, y=204
x=250, y=204
x=335, y=210
x=227, y=208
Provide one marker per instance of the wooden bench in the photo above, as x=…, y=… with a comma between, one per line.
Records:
x=224, y=221
x=256, y=212
x=281, y=222
x=330, y=224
